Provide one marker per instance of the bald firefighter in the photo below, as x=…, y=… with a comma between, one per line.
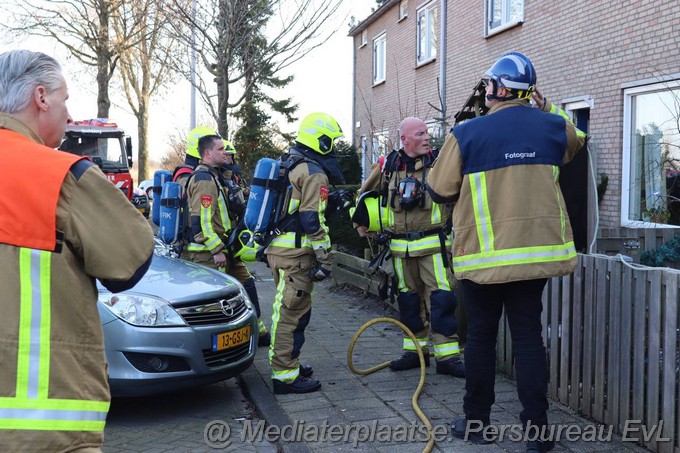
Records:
x=419, y=239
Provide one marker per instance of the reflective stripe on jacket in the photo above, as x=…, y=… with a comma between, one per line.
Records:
x=210, y=221
x=32, y=408
x=308, y=200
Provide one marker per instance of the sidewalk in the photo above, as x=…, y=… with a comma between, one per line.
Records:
x=374, y=412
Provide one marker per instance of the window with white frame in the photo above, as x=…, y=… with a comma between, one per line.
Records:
x=436, y=130
x=364, y=38
x=501, y=14
x=403, y=9
x=651, y=155
x=427, y=33
x=379, y=58
x=380, y=144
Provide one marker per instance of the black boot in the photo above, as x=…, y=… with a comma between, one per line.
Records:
x=540, y=446
x=264, y=339
x=408, y=361
x=452, y=367
x=299, y=385
x=306, y=371
x=475, y=433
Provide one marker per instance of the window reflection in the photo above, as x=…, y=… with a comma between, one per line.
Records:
x=655, y=157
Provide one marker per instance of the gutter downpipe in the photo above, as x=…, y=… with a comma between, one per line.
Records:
x=442, y=65
x=192, y=95
x=354, y=111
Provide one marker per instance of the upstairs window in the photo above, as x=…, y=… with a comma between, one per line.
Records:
x=364, y=38
x=502, y=14
x=403, y=9
x=427, y=33
x=379, y=59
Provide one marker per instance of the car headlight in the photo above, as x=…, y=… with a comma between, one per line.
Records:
x=141, y=310
x=246, y=299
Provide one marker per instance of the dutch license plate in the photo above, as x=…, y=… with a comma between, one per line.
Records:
x=231, y=339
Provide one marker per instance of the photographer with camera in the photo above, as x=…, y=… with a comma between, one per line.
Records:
x=394, y=203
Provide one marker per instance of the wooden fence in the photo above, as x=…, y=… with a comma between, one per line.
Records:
x=354, y=270
x=612, y=338
x=611, y=333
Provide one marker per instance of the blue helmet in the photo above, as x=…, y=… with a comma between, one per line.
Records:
x=513, y=71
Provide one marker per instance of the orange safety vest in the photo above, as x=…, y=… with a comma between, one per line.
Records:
x=29, y=200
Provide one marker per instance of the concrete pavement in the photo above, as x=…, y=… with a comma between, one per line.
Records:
x=373, y=413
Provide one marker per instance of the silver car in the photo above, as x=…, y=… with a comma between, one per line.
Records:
x=181, y=326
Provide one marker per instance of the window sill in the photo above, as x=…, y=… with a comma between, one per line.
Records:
x=502, y=28
x=362, y=45
x=402, y=19
x=379, y=82
x=426, y=62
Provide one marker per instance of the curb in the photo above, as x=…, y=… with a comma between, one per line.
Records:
x=254, y=387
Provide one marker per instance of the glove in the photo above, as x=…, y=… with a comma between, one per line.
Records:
x=324, y=264
x=319, y=274
x=260, y=256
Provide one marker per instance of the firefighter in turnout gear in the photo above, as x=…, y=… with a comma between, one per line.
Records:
x=301, y=254
x=192, y=157
x=63, y=225
x=211, y=223
x=232, y=177
x=419, y=243
x=512, y=233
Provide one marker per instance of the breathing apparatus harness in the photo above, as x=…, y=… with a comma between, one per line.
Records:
x=284, y=222
x=411, y=193
x=410, y=190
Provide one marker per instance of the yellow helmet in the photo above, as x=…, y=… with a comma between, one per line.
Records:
x=244, y=247
x=193, y=137
x=318, y=131
x=370, y=214
x=228, y=147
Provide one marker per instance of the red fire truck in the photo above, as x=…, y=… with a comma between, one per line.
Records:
x=105, y=144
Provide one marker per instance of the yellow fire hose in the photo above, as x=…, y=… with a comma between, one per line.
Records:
x=414, y=399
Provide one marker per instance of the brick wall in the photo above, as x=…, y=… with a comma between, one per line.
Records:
x=579, y=48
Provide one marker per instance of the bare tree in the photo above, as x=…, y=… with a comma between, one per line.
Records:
x=145, y=67
x=224, y=32
x=174, y=156
x=83, y=27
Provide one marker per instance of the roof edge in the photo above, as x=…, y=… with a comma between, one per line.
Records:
x=375, y=15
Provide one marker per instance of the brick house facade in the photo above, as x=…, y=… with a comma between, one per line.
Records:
x=606, y=62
